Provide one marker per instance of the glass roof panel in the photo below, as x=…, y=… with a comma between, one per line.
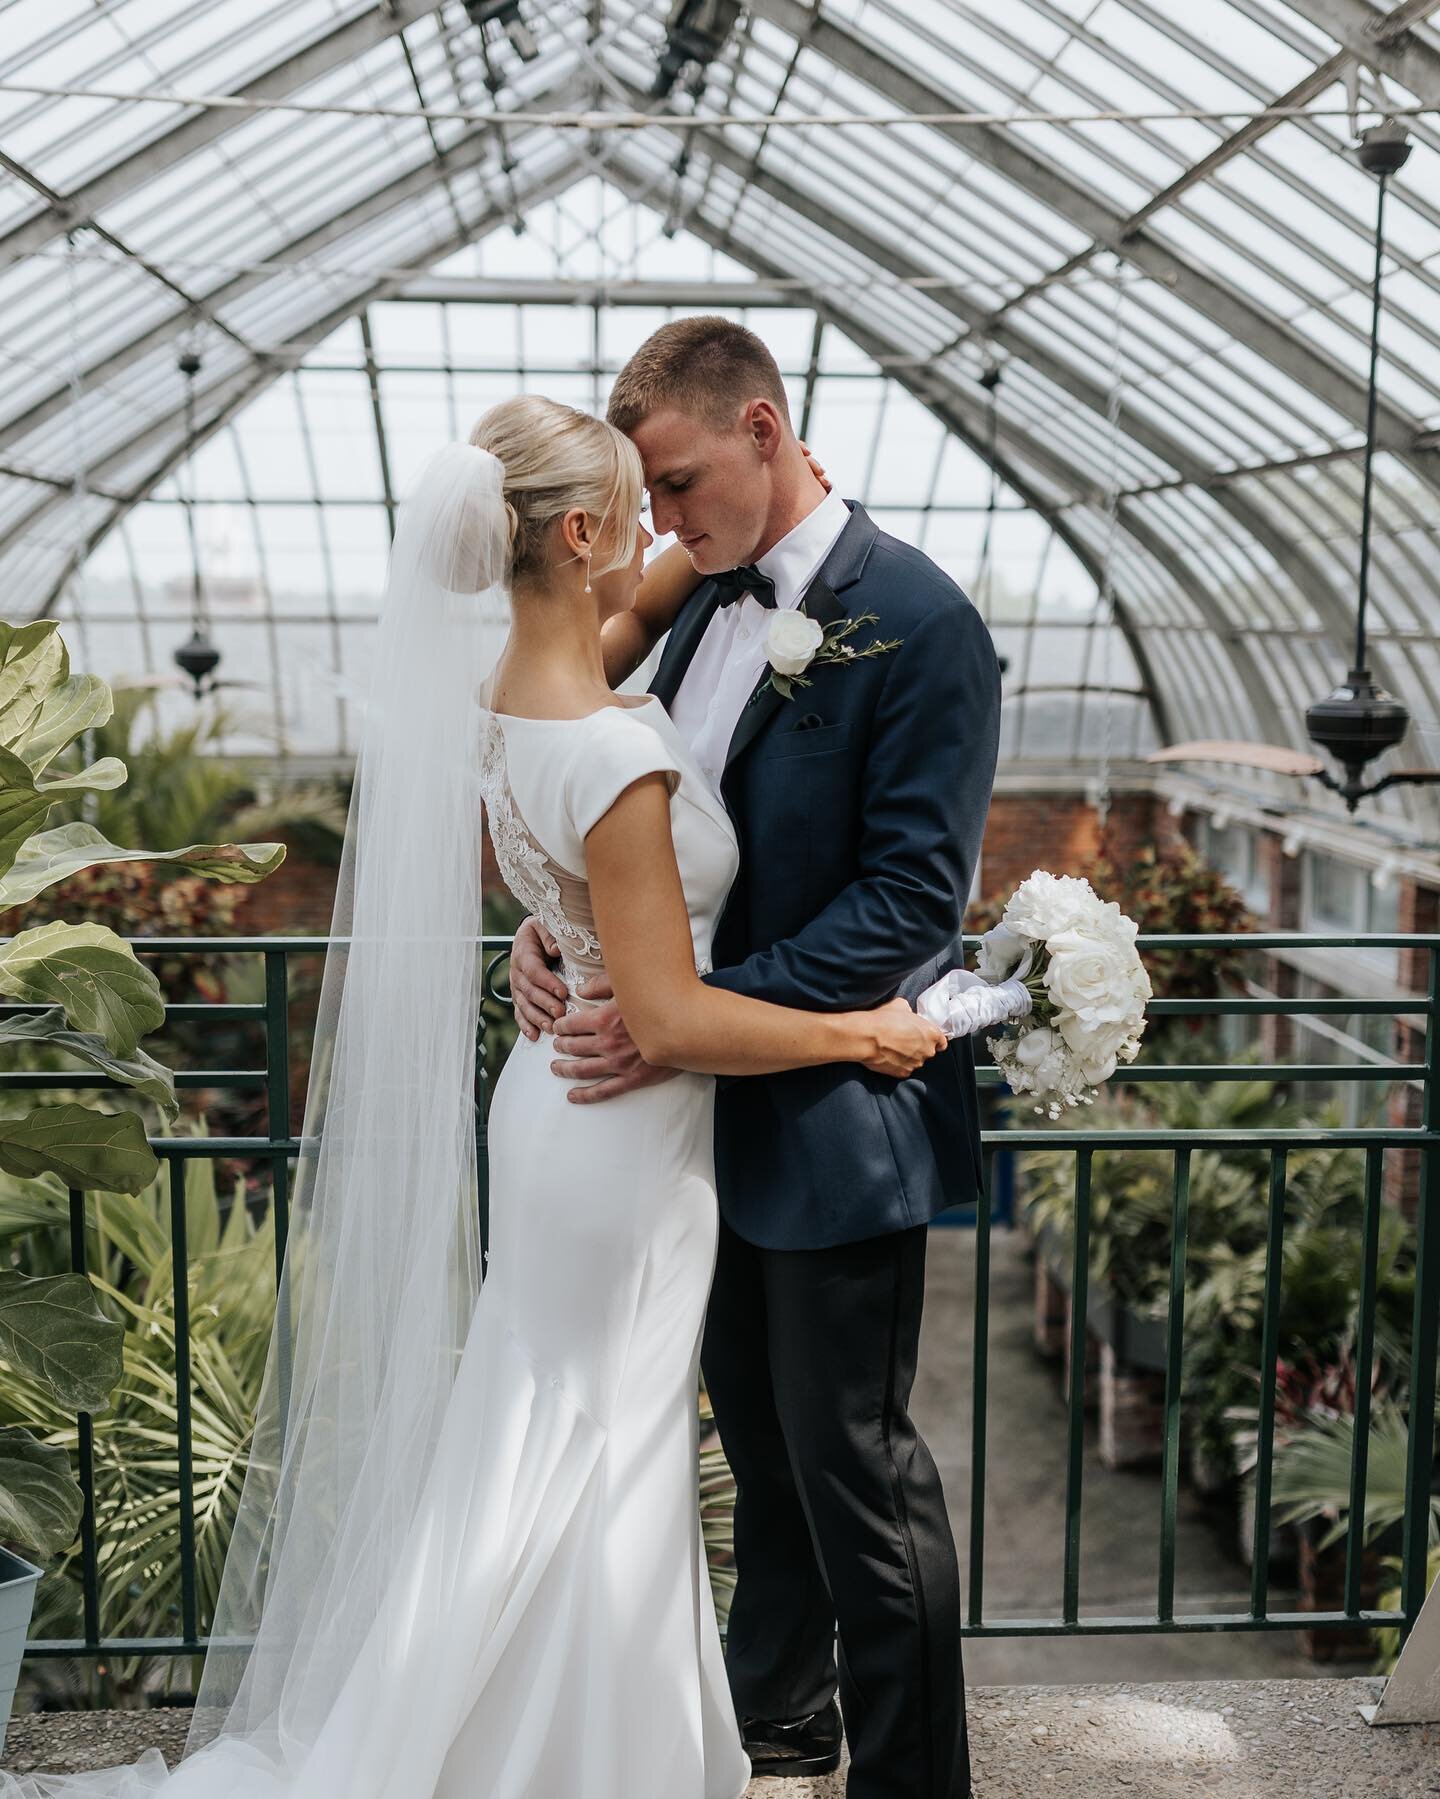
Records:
x=1243, y=314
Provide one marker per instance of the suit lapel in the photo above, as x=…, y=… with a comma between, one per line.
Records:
x=683, y=641
x=821, y=601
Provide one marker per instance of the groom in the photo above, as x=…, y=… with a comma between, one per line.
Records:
x=859, y=803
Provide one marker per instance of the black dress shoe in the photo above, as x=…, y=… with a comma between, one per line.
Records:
x=794, y=1746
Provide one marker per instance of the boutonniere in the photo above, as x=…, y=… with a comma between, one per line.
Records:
x=796, y=642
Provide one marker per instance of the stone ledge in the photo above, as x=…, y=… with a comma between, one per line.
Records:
x=1238, y=1739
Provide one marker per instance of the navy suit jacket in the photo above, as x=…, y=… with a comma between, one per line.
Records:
x=859, y=804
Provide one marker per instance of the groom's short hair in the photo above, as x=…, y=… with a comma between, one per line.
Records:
x=706, y=366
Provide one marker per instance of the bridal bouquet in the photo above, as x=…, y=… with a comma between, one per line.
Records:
x=1061, y=975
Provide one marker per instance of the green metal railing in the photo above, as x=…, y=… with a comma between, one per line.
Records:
x=278, y=1146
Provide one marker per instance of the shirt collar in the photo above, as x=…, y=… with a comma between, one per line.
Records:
x=793, y=562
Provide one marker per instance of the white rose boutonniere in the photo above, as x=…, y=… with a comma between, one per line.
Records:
x=796, y=642
x=792, y=641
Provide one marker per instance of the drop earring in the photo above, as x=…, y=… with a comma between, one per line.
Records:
x=587, y=574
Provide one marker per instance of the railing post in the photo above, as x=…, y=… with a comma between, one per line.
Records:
x=85, y=1429
x=1420, y=1444
x=1075, y=1418
x=1269, y=1355
x=979, y=1387
x=180, y=1277
x=277, y=1124
x=1174, y=1348
x=1364, y=1364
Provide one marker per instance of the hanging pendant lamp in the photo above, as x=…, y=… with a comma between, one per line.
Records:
x=1358, y=720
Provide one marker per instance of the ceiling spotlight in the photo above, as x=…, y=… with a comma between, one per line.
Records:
x=695, y=34
x=497, y=17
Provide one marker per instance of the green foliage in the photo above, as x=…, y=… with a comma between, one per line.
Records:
x=1228, y=1213
x=85, y=1148
x=1311, y=1474
x=1131, y=1189
x=138, y=1070
x=98, y=1001
x=137, y=1490
x=52, y=856
x=181, y=790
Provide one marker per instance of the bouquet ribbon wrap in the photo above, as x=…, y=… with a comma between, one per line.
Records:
x=962, y=1003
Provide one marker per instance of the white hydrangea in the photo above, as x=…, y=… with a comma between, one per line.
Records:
x=1046, y=903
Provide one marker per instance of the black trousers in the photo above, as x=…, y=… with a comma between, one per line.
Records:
x=840, y=1522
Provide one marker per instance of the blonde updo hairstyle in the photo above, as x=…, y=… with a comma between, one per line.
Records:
x=555, y=458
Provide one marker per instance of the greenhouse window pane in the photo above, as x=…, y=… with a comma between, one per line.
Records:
x=358, y=538
x=341, y=421
x=273, y=438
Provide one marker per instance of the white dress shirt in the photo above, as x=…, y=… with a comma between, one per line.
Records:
x=730, y=657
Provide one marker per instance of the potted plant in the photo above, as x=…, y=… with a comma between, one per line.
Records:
x=1311, y=1485
x=91, y=1000
x=1131, y=1203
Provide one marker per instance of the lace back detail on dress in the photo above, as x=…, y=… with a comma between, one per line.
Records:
x=558, y=897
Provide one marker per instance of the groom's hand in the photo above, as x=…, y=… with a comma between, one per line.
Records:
x=538, y=992
x=594, y=1042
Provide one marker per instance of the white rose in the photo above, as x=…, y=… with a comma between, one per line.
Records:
x=999, y=953
x=792, y=642
x=1091, y=975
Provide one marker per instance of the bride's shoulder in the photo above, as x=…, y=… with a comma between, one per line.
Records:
x=617, y=745
x=619, y=732
x=618, y=721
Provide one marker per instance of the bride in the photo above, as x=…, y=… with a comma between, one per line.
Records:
x=466, y=1561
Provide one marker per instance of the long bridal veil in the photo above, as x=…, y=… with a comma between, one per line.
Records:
x=382, y=1267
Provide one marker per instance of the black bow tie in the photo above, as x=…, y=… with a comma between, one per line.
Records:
x=745, y=579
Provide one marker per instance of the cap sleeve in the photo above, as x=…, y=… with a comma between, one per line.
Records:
x=612, y=756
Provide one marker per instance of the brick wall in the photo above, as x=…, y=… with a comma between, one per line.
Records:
x=1058, y=831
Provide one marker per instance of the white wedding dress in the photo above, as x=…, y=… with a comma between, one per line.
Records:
x=557, y=1541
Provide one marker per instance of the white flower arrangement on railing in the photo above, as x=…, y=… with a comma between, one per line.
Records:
x=1061, y=975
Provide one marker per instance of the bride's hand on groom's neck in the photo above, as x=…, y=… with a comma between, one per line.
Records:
x=816, y=468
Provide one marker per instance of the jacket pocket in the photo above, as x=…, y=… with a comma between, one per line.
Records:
x=796, y=742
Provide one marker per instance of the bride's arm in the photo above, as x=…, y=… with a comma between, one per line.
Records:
x=628, y=638
x=674, y=1018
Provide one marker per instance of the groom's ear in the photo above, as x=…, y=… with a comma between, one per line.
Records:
x=765, y=427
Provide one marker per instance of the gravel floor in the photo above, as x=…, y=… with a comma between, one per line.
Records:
x=1237, y=1739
